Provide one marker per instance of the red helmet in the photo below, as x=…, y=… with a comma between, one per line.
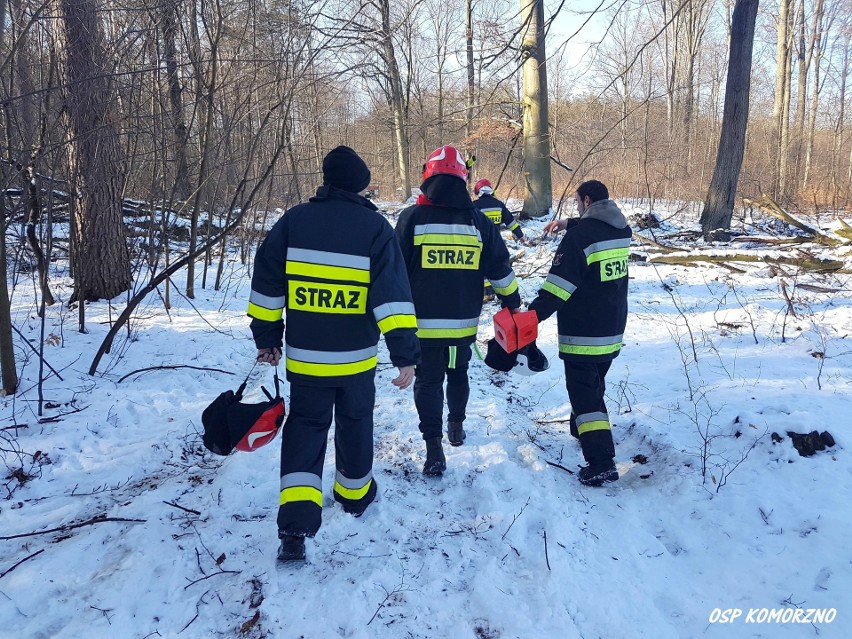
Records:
x=445, y=160
x=480, y=184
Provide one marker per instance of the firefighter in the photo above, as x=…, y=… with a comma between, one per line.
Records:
x=497, y=212
x=449, y=248
x=494, y=209
x=336, y=267
x=587, y=289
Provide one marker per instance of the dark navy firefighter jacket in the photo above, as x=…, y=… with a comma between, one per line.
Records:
x=334, y=264
x=587, y=285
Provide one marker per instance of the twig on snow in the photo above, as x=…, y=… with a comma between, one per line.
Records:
x=97, y=519
x=159, y=368
x=176, y=505
x=8, y=570
x=515, y=518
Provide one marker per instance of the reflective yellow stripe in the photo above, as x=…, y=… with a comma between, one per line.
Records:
x=265, y=314
x=435, y=333
x=300, y=493
x=452, y=357
x=352, y=493
x=550, y=287
x=574, y=349
x=506, y=290
x=619, y=253
x=514, y=226
x=397, y=321
x=326, y=272
x=330, y=370
x=595, y=425
x=442, y=238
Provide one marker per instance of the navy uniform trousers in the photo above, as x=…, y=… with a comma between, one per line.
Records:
x=586, y=384
x=437, y=363
x=303, y=446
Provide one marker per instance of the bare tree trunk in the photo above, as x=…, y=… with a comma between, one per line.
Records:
x=538, y=195
x=102, y=268
x=816, y=50
x=170, y=12
x=839, y=126
x=7, y=346
x=719, y=205
x=396, y=98
x=781, y=105
x=471, y=81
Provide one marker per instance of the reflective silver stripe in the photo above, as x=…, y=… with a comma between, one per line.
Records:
x=447, y=323
x=291, y=480
x=503, y=282
x=328, y=259
x=590, y=341
x=353, y=484
x=606, y=245
x=561, y=282
x=330, y=357
x=491, y=210
x=592, y=417
x=272, y=303
x=393, y=308
x=446, y=229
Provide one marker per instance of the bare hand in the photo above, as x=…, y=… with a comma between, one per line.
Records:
x=406, y=376
x=269, y=355
x=555, y=226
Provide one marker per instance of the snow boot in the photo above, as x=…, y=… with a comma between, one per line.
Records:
x=436, y=463
x=455, y=433
x=598, y=473
x=292, y=549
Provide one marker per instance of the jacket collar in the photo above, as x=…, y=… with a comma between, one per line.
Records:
x=326, y=192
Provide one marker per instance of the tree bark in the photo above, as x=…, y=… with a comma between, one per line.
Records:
x=781, y=103
x=397, y=102
x=102, y=261
x=169, y=19
x=7, y=346
x=719, y=204
x=538, y=195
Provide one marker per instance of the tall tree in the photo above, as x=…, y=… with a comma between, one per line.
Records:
x=538, y=194
x=719, y=204
x=95, y=159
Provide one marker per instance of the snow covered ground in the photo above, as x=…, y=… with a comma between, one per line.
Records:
x=710, y=514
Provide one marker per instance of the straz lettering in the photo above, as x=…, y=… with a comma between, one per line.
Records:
x=327, y=298
x=495, y=216
x=613, y=269
x=461, y=257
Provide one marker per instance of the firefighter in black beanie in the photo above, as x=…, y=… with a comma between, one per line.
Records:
x=336, y=267
x=449, y=248
x=587, y=289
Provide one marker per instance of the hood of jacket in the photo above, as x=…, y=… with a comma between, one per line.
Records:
x=605, y=211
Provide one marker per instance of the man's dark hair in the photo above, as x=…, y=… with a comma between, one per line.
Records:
x=594, y=189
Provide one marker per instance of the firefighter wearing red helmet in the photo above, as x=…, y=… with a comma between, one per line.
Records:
x=494, y=209
x=449, y=248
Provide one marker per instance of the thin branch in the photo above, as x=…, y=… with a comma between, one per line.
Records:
x=94, y=520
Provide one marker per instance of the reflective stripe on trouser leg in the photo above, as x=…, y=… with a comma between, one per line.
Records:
x=458, y=386
x=429, y=389
x=303, y=443
x=586, y=384
x=353, y=441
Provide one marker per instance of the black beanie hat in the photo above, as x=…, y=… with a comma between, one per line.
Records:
x=344, y=169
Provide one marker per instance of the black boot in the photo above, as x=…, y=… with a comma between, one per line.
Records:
x=436, y=463
x=598, y=473
x=455, y=433
x=292, y=549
